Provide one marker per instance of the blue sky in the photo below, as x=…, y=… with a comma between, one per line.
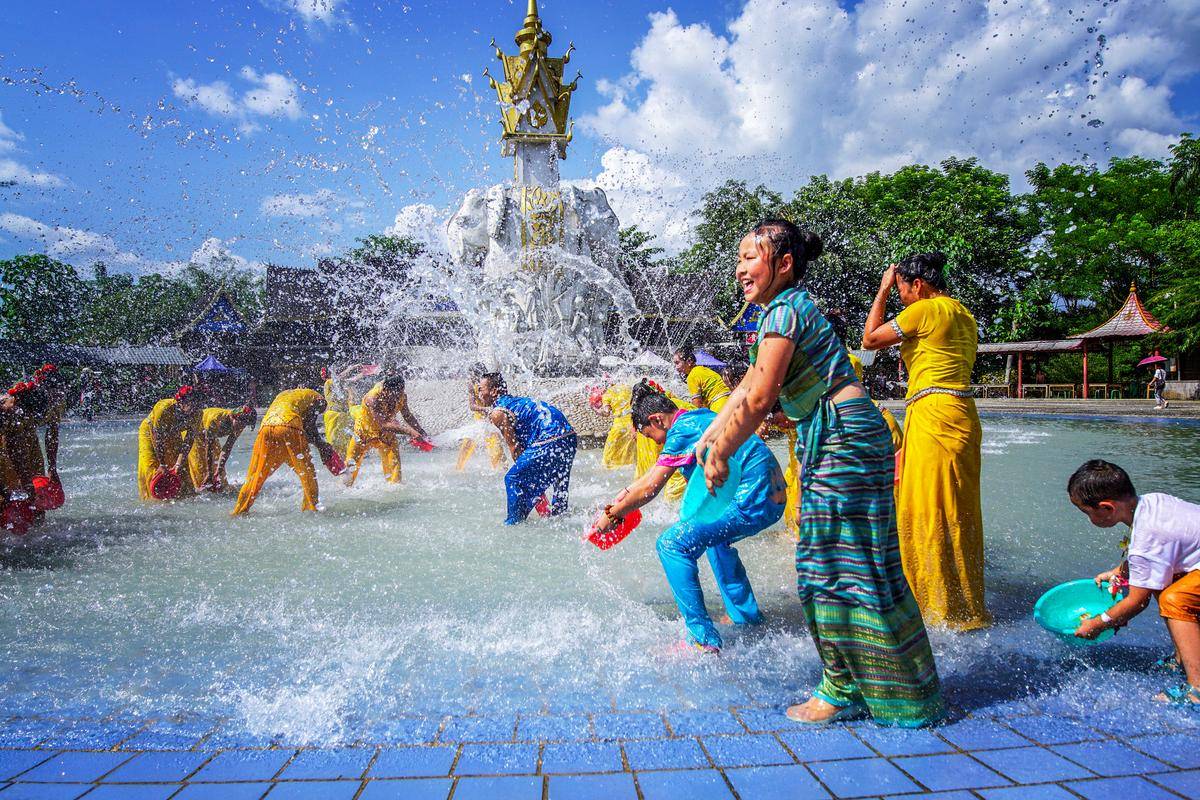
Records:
x=144, y=133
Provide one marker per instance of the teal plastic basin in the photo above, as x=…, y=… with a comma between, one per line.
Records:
x=1061, y=609
x=700, y=506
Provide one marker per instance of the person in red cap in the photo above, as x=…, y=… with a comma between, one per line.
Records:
x=20, y=407
x=166, y=437
x=24, y=443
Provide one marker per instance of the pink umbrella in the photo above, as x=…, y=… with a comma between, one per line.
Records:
x=1151, y=360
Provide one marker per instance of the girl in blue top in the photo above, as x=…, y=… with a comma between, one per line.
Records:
x=758, y=504
x=543, y=447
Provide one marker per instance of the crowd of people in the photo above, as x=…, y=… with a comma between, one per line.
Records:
x=887, y=521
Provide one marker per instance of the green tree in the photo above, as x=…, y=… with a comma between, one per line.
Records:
x=1177, y=302
x=41, y=298
x=1185, y=173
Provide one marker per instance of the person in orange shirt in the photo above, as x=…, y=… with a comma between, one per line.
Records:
x=376, y=428
x=165, y=438
x=289, y=428
x=206, y=459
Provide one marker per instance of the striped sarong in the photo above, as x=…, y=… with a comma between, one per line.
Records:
x=861, y=612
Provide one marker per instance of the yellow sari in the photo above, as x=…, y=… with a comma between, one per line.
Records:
x=620, y=448
x=938, y=508
x=647, y=455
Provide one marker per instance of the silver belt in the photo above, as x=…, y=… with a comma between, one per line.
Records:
x=937, y=390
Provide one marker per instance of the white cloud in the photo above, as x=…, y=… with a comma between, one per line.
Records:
x=314, y=10
x=318, y=204
x=71, y=245
x=792, y=89
x=214, y=254
x=423, y=223
x=269, y=94
x=12, y=172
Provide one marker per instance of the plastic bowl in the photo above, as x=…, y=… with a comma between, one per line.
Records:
x=16, y=517
x=1061, y=609
x=48, y=494
x=699, y=505
x=166, y=485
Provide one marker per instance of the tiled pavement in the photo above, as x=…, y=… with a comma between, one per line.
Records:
x=747, y=753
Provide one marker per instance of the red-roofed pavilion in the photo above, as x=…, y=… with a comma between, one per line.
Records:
x=1132, y=320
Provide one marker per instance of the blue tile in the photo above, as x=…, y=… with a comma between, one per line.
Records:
x=665, y=754
x=506, y=788
x=578, y=702
x=628, y=726
x=328, y=764
x=770, y=783
x=239, y=737
x=403, y=730
x=480, y=729
x=497, y=759
x=554, y=728
x=943, y=773
x=157, y=768
x=862, y=777
x=423, y=789
x=704, y=723
x=25, y=733
x=1184, y=783
x=224, y=791
x=758, y=750
x=761, y=720
x=1051, y=730
x=89, y=735
x=1043, y=792
x=1110, y=758
x=955, y=795
x=825, y=744
x=315, y=790
x=903, y=742
x=413, y=762
x=244, y=765
x=132, y=792
x=1124, y=788
x=14, y=762
x=705, y=784
x=1180, y=749
x=581, y=757
x=161, y=740
x=43, y=791
x=592, y=787
x=76, y=767
x=980, y=734
x=1031, y=765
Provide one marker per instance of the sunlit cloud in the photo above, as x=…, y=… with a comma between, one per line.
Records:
x=269, y=94
x=14, y=173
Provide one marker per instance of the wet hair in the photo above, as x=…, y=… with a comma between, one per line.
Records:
x=476, y=371
x=1097, y=481
x=393, y=383
x=687, y=352
x=929, y=267
x=734, y=372
x=785, y=238
x=496, y=379
x=646, y=400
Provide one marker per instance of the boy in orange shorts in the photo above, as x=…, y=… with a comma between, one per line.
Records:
x=1163, y=561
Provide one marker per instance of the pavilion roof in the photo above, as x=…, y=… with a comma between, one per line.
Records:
x=1035, y=346
x=1132, y=319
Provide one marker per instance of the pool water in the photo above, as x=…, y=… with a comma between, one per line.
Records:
x=401, y=606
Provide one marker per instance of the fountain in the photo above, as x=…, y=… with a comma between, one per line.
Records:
x=541, y=258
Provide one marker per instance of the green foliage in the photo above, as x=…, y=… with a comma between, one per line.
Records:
x=39, y=297
x=1177, y=303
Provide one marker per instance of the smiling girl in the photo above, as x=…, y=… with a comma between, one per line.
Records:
x=862, y=615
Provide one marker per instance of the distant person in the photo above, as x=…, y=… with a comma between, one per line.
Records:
x=707, y=388
x=542, y=443
x=377, y=427
x=939, y=513
x=1163, y=562
x=620, y=445
x=1158, y=383
x=289, y=427
x=757, y=506
x=208, y=457
x=20, y=408
x=165, y=439
x=491, y=440
x=89, y=394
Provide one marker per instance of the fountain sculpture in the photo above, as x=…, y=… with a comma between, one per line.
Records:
x=542, y=258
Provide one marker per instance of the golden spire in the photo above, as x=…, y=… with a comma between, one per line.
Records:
x=533, y=35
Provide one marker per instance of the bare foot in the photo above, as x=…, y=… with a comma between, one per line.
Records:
x=723, y=619
x=814, y=711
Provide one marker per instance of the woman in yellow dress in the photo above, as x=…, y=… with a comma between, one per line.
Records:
x=620, y=446
x=165, y=438
x=707, y=388
x=289, y=428
x=939, y=515
x=207, y=458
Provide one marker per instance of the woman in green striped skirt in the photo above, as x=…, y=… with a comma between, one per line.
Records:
x=864, y=621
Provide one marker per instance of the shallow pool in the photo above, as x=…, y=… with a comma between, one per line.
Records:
x=410, y=603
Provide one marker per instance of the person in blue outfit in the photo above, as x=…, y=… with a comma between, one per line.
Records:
x=757, y=505
x=542, y=443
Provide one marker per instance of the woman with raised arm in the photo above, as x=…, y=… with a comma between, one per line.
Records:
x=862, y=616
x=939, y=514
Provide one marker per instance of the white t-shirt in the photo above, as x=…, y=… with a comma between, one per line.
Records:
x=1165, y=540
x=1160, y=375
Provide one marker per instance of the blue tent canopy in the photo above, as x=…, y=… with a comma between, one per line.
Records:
x=707, y=359
x=210, y=364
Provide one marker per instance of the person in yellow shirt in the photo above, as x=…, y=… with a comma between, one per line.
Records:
x=165, y=438
x=339, y=398
x=620, y=446
x=376, y=428
x=492, y=441
x=707, y=388
x=938, y=510
x=207, y=458
x=289, y=428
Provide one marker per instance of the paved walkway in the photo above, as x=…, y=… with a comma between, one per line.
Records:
x=1141, y=410
x=1019, y=751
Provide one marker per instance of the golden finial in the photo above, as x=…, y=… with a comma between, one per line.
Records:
x=533, y=36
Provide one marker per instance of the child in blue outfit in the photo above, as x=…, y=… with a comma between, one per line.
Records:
x=758, y=504
x=543, y=447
